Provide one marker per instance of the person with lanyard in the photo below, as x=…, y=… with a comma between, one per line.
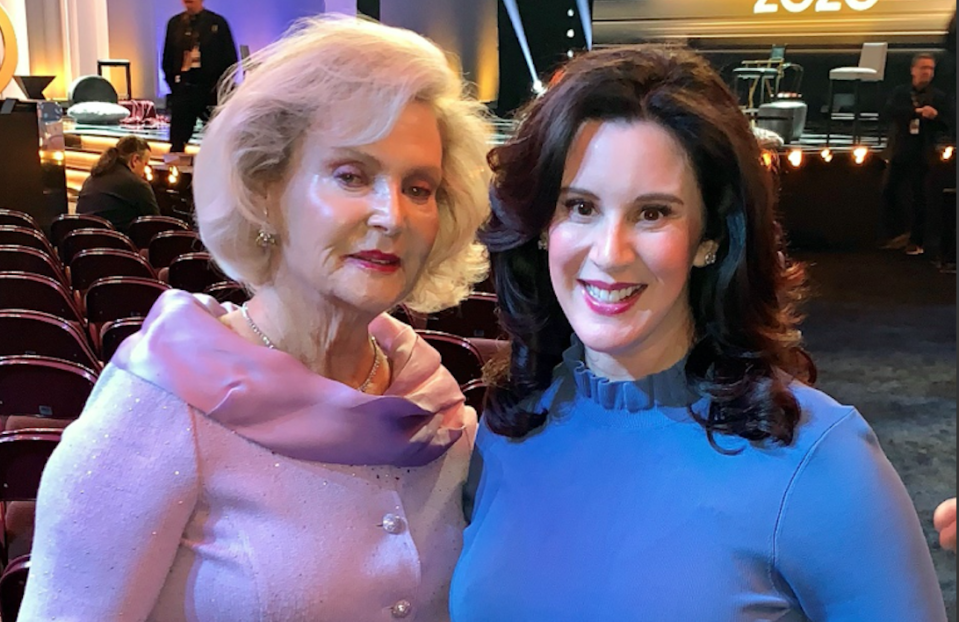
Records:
x=918, y=113
x=197, y=52
x=652, y=448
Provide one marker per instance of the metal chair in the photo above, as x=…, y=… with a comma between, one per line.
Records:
x=760, y=73
x=871, y=68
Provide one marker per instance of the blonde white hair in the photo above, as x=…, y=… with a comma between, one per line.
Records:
x=345, y=81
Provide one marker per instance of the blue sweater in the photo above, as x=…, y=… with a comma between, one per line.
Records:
x=618, y=509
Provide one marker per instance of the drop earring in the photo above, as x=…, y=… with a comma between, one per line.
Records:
x=543, y=243
x=264, y=238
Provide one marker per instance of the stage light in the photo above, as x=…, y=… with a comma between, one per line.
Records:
x=570, y=34
x=174, y=175
x=795, y=157
x=148, y=172
x=538, y=87
x=859, y=154
x=569, y=53
x=58, y=156
x=826, y=155
x=947, y=153
x=767, y=159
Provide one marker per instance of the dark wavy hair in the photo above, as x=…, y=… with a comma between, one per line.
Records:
x=747, y=346
x=125, y=149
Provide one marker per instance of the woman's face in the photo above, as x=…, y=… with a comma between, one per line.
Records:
x=360, y=221
x=625, y=235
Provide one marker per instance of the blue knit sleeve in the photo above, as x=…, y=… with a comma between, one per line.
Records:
x=848, y=543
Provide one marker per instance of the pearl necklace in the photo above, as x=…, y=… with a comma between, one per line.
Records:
x=269, y=344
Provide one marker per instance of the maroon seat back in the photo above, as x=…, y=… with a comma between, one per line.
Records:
x=228, y=291
x=118, y=297
x=19, y=290
x=24, y=236
x=85, y=239
x=474, y=317
x=23, y=455
x=65, y=223
x=13, y=583
x=168, y=245
x=16, y=258
x=475, y=392
x=41, y=334
x=97, y=263
x=114, y=333
x=194, y=272
x=40, y=386
x=17, y=219
x=143, y=229
x=459, y=356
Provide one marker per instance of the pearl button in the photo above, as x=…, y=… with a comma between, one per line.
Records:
x=401, y=609
x=392, y=524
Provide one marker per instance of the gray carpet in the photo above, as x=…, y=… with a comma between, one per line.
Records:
x=881, y=327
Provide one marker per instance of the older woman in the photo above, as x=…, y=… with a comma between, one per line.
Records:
x=300, y=458
x=654, y=450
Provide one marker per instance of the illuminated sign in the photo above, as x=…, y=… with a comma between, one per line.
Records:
x=8, y=64
x=819, y=6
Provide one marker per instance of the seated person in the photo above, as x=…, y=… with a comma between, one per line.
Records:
x=116, y=188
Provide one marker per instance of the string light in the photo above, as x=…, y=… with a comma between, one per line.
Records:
x=859, y=154
x=826, y=155
x=795, y=157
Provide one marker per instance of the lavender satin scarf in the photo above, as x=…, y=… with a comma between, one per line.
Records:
x=272, y=399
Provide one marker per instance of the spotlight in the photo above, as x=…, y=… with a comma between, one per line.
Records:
x=859, y=154
x=947, y=153
x=795, y=157
x=826, y=155
x=538, y=87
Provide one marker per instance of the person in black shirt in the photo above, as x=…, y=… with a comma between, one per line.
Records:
x=116, y=189
x=198, y=51
x=918, y=113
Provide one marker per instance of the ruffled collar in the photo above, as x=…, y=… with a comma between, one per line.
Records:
x=270, y=398
x=666, y=389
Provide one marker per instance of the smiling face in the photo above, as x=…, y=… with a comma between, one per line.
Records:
x=360, y=221
x=624, y=238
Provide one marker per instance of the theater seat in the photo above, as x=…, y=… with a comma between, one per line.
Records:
x=65, y=223
x=144, y=228
x=41, y=334
x=459, y=356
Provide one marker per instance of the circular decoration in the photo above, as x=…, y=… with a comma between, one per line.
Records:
x=92, y=89
x=8, y=66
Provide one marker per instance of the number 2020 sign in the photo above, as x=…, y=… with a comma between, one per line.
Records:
x=819, y=6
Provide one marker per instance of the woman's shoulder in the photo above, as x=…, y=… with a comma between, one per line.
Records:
x=827, y=425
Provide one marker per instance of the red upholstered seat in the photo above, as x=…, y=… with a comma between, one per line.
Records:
x=17, y=219
x=25, y=236
x=168, y=245
x=143, y=229
x=474, y=317
x=65, y=223
x=86, y=239
x=20, y=290
x=17, y=258
x=459, y=356
x=93, y=264
x=194, y=272
x=114, y=333
x=117, y=297
x=41, y=334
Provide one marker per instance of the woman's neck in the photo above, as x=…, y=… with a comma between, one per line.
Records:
x=329, y=339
